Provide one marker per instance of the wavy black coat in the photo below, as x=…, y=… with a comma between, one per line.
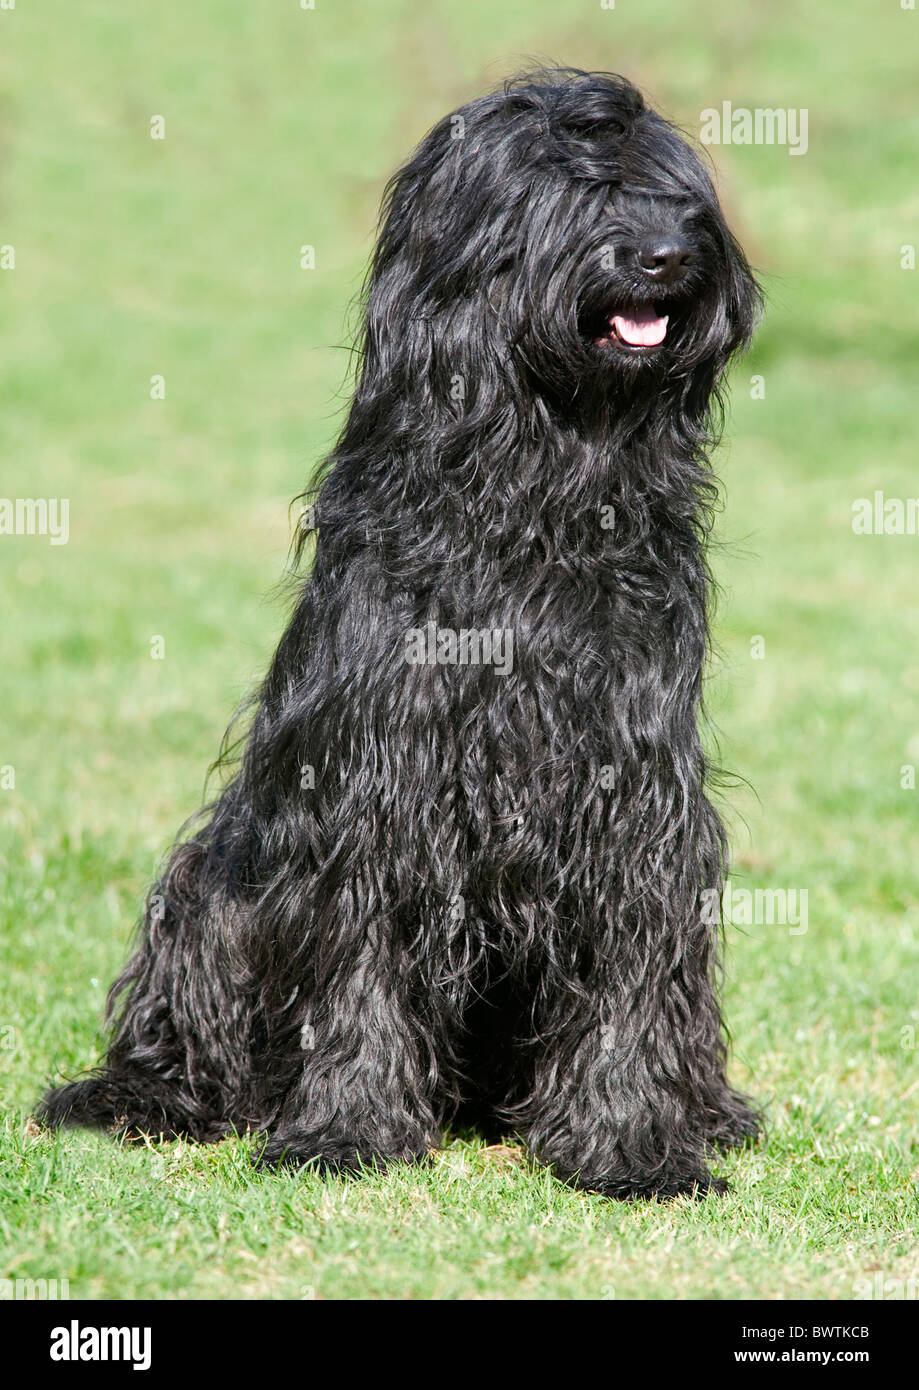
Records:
x=461, y=892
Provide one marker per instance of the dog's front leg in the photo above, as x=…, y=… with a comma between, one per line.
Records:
x=362, y=1093
x=611, y=1108
x=628, y=1090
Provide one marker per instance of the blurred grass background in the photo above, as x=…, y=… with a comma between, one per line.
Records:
x=180, y=257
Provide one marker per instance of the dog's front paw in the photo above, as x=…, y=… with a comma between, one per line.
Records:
x=735, y=1127
x=332, y=1155
x=664, y=1186
x=627, y=1183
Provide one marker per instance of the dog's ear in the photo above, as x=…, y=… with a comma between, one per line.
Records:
x=744, y=300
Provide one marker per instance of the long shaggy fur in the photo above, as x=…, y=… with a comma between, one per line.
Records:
x=440, y=893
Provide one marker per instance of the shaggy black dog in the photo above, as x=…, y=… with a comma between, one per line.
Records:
x=459, y=872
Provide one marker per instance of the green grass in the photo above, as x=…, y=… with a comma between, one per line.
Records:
x=136, y=257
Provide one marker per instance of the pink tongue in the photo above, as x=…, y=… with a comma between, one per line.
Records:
x=641, y=329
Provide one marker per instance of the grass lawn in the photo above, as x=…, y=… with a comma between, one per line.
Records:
x=179, y=258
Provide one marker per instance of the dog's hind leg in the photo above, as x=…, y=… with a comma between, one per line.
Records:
x=178, y=1060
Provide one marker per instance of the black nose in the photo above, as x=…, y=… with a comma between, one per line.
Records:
x=665, y=259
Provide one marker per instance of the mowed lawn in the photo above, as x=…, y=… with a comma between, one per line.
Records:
x=125, y=650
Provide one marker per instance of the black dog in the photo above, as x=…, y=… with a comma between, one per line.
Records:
x=459, y=872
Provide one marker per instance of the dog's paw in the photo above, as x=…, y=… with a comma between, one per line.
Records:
x=664, y=1186
x=735, y=1129
x=326, y=1156
x=330, y=1155
x=697, y=1186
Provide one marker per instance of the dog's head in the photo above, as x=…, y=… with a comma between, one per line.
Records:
x=560, y=232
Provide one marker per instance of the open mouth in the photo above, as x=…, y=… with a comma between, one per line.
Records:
x=636, y=327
